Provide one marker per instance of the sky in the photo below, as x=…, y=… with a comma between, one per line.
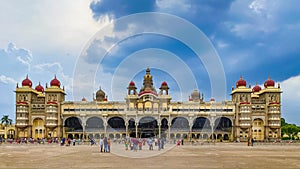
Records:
x=203, y=44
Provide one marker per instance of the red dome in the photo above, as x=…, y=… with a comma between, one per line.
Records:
x=131, y=83
x=269, y=82
x=164, y=83
x=241, y=82
x=55, y=82
x=256, y=88
x=39, y=88
x=26, y=82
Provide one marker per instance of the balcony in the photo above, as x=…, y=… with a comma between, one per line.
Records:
x=22, y=118
x=51, y=124
x=51, y=118
x=21, y=124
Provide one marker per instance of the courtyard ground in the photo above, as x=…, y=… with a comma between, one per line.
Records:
x=219, y=155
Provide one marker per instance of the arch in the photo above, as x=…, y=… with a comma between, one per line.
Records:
x=223, y=124
x=226, y=137
x=258, y=129
x=70, y=136
x=219, y=137
x=38, y=127
x=180, y=123
x=111, y=136
x=73, y=124
x=164, y=123
x=94, y=124
x=147, y=127
x=116, y=123
x=131, y=123
x=201, y=123
x=147, y=122
x=172, y=135
x=97, y=136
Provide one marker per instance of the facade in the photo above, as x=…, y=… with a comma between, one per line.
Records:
x=7, y=131
x=149, y=113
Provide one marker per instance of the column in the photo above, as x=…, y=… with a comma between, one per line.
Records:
x=83, y=130
x=126, y=129
x=136, y=130
x=212, y=130
x=169, y=132
x=105, y=127
x=64, y=131
x=29, y=130
x=231, y=137
x=159, y=130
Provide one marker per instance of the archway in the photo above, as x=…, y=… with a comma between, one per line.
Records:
x=116, y=124
x=73, y=124
x=131, y=127
x=147, y=127
x=180, y=124
x=223, y=124
x=94, y=124
x=38, y=128
x=11, y=134
x=200, y=124
x=258, y=129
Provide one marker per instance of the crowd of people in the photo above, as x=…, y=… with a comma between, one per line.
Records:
x=136, y=144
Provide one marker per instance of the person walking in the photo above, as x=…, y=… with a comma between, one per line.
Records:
x=101, y=145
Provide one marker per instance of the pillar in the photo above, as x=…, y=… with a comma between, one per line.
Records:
x=29, y=130
x=159, y=130
x=105, y=127
x=136, y=130
x=126, y=129
x=212, y=130
x=169, y=130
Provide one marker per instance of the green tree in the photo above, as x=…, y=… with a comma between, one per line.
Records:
x=6, y=120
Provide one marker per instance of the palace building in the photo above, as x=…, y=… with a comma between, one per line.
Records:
x=252, y=112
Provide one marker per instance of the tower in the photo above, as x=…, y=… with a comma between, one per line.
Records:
x=54, y=96
x=241, y=97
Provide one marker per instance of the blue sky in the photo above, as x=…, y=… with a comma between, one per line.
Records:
x=252, y=38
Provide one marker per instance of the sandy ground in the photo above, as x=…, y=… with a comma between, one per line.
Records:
x=220, y=155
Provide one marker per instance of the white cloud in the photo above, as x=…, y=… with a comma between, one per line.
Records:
x=171, y=6
x=47, y=25
x=290, y=99
x=7, y=80
x=55, y=69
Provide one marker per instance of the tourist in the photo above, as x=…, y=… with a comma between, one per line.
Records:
x=182, y=142
x=150, y=143
x=178, y=142
x=105, y=144
x=126, y=145
x=140, y=144
x=101, y=145
x=108, y=145
x=163, y=140
x=252, y=142
x=73, y=141
x=158, y=144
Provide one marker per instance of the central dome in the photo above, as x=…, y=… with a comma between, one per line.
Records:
x=39, y=88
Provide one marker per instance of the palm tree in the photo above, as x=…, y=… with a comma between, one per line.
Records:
x=6, y=120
